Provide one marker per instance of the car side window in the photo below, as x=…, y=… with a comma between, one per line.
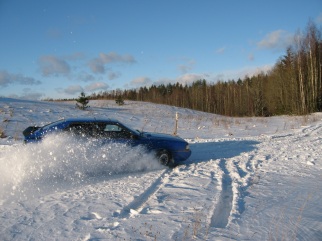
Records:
x=112, y=127
x=115, y=131
x=81, y=129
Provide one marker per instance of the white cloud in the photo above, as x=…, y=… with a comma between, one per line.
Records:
x=188, y=79
x=77, y=89
x=97, y=65
x=73, y=89
x=186, y=67
x=113, y=75
x=140, y=81
x=9, y=78
x=163, y=81
x=96, y=86
x=246, y=71
x=113, y=57
x=29, y=94
x=277, y=40
x=86, y=77
x=53, y=66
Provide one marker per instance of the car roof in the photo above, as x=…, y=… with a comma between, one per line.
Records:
x=89, y=119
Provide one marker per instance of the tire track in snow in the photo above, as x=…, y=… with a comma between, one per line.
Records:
x=311, y=131
x=220, y=216
x=136, y=206
x=304, y=132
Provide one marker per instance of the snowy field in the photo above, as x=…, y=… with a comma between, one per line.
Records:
x=247, y=178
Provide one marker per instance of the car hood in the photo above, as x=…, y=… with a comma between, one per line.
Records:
x=161, y=136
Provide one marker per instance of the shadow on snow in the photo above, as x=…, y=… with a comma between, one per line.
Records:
x=218, y=150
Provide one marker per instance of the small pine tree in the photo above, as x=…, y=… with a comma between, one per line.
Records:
x=119, y=100
x=82, y=101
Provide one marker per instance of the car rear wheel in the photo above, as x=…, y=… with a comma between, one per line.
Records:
x=164, y=157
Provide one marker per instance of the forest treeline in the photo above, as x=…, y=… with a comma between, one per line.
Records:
x=292, y=86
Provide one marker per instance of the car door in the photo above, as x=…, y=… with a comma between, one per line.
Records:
x=111, y=132
x=81, y=129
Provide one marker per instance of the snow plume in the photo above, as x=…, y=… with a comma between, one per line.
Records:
x=61, y=160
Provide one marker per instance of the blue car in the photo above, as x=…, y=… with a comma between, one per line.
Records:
x=170, y=150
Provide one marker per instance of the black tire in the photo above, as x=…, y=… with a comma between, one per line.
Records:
x=164, y=157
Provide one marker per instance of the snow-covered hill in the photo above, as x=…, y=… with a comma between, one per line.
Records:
x=247, y=178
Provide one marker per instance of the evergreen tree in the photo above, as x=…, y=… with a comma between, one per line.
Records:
x=82, y=101
x=119, y=100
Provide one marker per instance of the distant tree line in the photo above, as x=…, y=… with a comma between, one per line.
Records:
x=292, y=86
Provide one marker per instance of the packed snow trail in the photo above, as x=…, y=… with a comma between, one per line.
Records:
x=224, y=206
x=282, y=190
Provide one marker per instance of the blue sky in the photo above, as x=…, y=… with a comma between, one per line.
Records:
x=56, y=49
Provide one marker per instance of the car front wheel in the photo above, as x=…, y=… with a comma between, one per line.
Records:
x=164, y=157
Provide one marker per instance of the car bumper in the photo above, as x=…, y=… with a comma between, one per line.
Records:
x=181, y=156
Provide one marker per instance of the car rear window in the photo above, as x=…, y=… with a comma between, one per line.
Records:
x=51, y=125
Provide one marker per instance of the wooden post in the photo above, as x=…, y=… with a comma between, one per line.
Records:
x=176, y=126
